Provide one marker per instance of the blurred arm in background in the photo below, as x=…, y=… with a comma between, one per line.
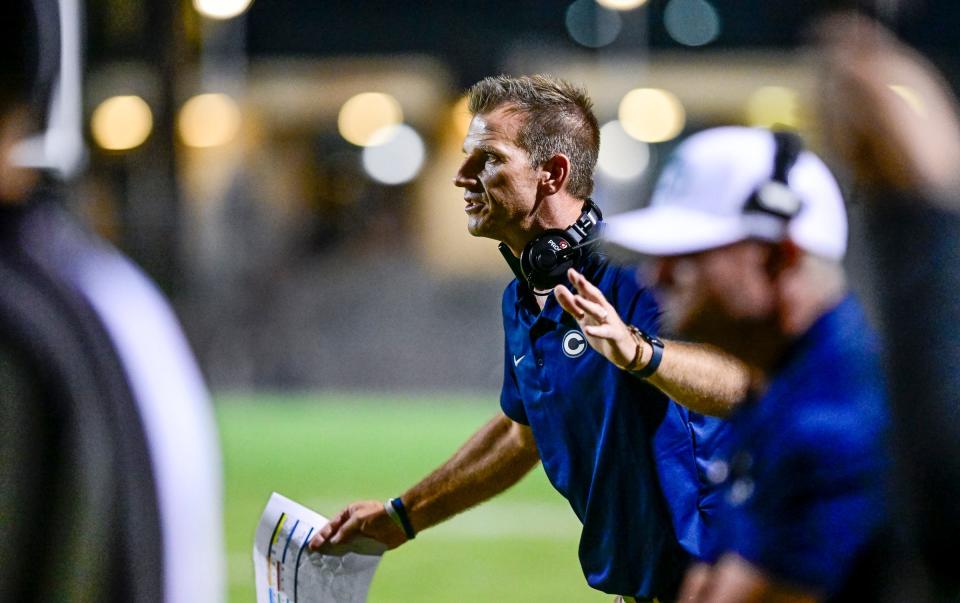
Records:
x=892, y=119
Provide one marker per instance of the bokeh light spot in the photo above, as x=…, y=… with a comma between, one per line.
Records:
x=366, y=113
x=592, y=25
x=221, y=9
x=121, y=123
x=621, y=4
x=622, y=157
x=460, y=114
x=773, y=105
x=651, y=115
x=691, y=22
x=394, y=155
x=209, y=120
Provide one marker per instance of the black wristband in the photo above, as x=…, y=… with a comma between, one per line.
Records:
x=397, y=505
x=656, y=345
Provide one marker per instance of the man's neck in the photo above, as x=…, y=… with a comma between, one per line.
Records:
x=542, y=300
x=557, y=211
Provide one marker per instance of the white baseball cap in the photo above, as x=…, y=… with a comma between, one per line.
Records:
x=699, y=200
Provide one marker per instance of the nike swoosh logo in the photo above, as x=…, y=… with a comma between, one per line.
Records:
x=516, y=361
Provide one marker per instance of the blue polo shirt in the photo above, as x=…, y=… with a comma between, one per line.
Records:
x=805, y=474
x=630, y=462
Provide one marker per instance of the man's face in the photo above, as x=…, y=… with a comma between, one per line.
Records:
x=715, y=296
x=499, y=184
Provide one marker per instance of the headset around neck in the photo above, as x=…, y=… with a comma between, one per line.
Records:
x=544, y=261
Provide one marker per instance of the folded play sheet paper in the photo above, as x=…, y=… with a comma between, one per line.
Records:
x=286, y=570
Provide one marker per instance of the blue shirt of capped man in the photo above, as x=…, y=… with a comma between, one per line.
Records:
x=631, y=462
x=804, y=472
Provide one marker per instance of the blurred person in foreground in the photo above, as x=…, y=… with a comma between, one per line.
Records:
x=627, y=458
x=892, y=119
x=109, y=469
x=747, y=233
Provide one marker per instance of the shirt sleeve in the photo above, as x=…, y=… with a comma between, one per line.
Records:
x=510, y=401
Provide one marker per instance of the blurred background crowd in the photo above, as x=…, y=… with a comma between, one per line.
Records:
x=284, y=168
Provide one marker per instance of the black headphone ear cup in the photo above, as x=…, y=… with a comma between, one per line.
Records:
x=545, y=259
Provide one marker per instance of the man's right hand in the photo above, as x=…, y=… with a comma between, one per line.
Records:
x=598, y=319
x=364, y=518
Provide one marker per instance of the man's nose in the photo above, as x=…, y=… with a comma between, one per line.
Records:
x=466, y=176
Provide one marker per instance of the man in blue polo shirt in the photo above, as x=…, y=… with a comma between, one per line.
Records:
x=748, y=232
x=627, y=459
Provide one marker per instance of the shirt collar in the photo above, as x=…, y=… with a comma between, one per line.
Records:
x=589, y=266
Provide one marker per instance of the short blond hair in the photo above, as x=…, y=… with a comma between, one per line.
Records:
x=558, y=118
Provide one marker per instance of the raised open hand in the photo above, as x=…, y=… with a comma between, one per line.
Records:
x=599, y=321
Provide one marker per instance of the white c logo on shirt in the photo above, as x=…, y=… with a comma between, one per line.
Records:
x=574, y=344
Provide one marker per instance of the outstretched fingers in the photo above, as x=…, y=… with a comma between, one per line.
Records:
x=597, y=312
x=568, y=301
x=585, y=288
x=580, y=307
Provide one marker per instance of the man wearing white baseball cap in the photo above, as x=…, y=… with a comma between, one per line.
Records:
x=721, y=187
x=747, y=232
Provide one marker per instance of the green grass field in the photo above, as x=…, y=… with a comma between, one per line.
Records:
x=325, y=451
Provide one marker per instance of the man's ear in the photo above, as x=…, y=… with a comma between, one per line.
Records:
x=783, y=256
x=553, y=174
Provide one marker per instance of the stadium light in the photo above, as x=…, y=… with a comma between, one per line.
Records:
x=394, y=154
x=651, y=115
x=621, y=4
x=691, y=22
x=221, y=9
x=592, y=25
x=209, y=120
x=121, y=123
x=622, y=157
x=364, y=114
